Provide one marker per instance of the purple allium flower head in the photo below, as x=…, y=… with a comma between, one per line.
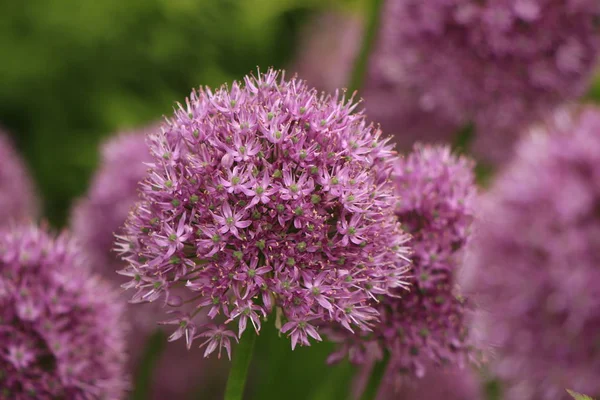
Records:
x=498, y=64
x=17, y=198
x=328, y=50
x=61, y=330
x=436, y=191
x=534, y=264
x=94, y=221
x=267, y=196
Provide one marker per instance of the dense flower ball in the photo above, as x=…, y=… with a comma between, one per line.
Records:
x=534, y=266
x=17, y=199
x=497, y=64
x=95, y=220
x=61, y=330
x=267, y=195
x=427, y=324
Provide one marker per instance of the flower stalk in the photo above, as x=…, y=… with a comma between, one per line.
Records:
x=370, y=35
x=239, y=366
x=376, y=379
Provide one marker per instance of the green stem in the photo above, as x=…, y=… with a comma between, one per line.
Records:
x=372, y=388
x=334, y=386
x=239, y=366
x=463, y=139
x=370, y=34
x=143, y=377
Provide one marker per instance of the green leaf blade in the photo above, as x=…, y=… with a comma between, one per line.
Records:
x=578, y=396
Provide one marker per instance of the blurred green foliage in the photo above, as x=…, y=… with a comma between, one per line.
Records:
x=74, y=71
x=593, y=94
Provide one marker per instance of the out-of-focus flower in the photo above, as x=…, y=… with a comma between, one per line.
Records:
x=61, y=330
x=328, y=49
x=534, y=265
x=113, y=192
x=500, y=65
x=438, y=384
x=17, y=197
x=263, y=196
x=95, y=220
x=427, y=324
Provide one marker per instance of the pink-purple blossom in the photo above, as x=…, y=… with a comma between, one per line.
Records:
x=17, y=195
x=438, y=384
x=113, y=191
x=199, y=227
x=533, y=266
x=62, y=332
x=328, y=48
x=426, y=325
x=501, y=65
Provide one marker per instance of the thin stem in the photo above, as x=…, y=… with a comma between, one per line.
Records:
x=362, y=60
x=362, y=379
x=143, y=377
x=239, y=366
x=463, y=139
x=334, y=386
x=374, y=383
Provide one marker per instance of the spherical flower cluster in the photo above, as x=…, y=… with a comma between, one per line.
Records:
x=534, y=265
x=426, y=325
x=61, y=330
x=328, y=49
x=95, y=220
x=497, y=64
x=266, y=196
x=17, y=200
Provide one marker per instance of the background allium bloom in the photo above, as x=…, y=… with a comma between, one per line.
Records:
x=439, y=384
x=534, y=265
x=498, y=64
x=17, y=198
x=95, y=220
x=112, y=194
x=266, y=195
x=328, y=49
x=61, y=330
x=436, y=191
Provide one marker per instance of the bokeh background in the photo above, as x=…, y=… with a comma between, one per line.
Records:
x=74, y=72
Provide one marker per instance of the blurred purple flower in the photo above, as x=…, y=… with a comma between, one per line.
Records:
x=426, y=325
x=500, y=65
x=533, y=266
x=438, y=384
x=95, y=219
x=62, y=330
x=17, y=196
x=113, y=191
x=199, y=228
x=327, y=51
